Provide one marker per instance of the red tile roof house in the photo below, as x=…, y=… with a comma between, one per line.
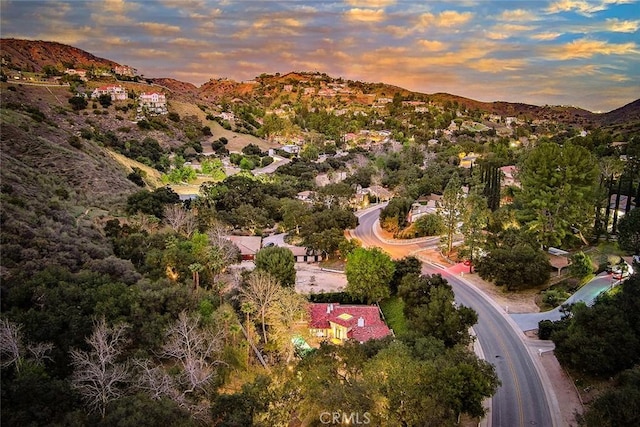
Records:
x=343, y=322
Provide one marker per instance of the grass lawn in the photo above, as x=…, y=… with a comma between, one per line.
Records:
x=393, y=313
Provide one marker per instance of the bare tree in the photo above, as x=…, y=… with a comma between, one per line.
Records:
x=262, y=290
x=195, y=349
x=10, y=344
x=229, y=252
x=282, y=316
x=180, y=219
x=97, y=374
x=13, y=350
x=154, y=380
x=157, y=383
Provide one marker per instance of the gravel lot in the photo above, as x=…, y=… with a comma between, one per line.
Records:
x=311, y=278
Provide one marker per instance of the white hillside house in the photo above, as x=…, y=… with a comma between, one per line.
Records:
x=117, y=93
x=153, y=102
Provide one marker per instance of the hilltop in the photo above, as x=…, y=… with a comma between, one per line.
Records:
x=30, y=55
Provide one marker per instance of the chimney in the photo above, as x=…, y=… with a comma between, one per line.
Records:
x=360, y=322
x=330, y=307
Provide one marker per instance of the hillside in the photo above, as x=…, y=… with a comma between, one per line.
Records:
x=30, y=55
x=55, y=193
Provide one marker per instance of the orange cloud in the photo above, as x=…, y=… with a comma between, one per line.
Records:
x=586, y=48
x=546, y=36
x=159, y=29
x=370, y=3
x=432, y=45
x=615, y=25
x=494, y=65
x=519, y=15
x=446, y=19
x=365, y=15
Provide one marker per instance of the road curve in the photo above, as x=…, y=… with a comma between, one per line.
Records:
x=521, y=399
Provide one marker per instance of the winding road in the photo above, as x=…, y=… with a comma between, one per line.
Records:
x=521, y=400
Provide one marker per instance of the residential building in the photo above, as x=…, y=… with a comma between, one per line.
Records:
x=339, y=323
x=125, y=70
x=468, y=160
x=248, y=245
x=153, y=102
x=117, y=93
x=80, y=73
x=423, y=206
x=509, y=176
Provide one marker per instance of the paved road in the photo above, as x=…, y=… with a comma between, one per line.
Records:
x=587, y=294
x=277, y=162
x=521, y=400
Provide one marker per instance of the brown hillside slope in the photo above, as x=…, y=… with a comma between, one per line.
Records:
x=32, y=55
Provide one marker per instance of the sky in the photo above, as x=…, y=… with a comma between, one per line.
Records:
x=584, y=53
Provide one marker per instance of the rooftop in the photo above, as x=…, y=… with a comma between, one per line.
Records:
x=363, y=322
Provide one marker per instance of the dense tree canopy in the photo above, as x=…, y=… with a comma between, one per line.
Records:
x=279, y=262
x=558, y=184
x=629, y=232
x=519, y=267
x=369, y=272
x=430, y=310
x=603, y=339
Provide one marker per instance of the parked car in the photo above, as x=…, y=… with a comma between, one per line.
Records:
x=621, y=271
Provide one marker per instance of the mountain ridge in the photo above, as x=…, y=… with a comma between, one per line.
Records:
x=36, y=54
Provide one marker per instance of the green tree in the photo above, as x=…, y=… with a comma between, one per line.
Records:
x=475, y=219
x=369, y=272
x=629, y=232
x=105, y=100
x=279, y=262
x=403, y=267
x=581, y=265
x=430, y=310
x=293, y=213
x=429, y=225
x=518, y=267
x=393, y=217
x=558, y=190
x=78, y=102
x=326, y=242
x=617, y=406
x=450, y=208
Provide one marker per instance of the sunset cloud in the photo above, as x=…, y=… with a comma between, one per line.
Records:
x=365, y=15
x=432, y=45
x=584, y=7
x=545, y=36
x=580, y=52
x=446, y=19
x=370, y=3
x=616, y=25
x=518, y=15
x=158, y=29
x=587, y=48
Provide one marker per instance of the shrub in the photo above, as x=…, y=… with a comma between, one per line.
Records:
x=75, y=141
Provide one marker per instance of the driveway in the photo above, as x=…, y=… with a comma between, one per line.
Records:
x=587, y=294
